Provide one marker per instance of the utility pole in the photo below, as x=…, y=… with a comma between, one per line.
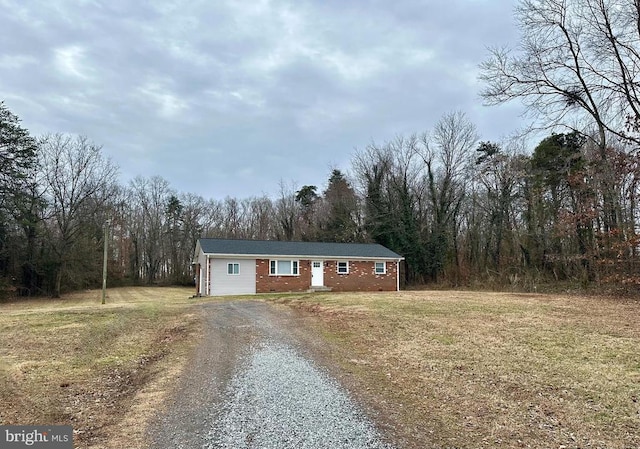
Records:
x=104, y=263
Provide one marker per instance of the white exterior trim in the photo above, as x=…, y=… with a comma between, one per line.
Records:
x=338, y=262
x=384, y=268
x=207, y=287
x=296, y=261
x=300, y=257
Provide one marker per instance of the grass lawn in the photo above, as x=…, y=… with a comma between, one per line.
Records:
x=101, y=368
x=470, y=369
x=443, y=369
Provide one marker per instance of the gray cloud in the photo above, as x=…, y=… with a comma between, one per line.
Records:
x=228, y=98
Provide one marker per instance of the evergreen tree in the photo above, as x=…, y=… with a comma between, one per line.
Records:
x=18, y=151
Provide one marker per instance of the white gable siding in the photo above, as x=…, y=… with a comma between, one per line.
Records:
x=223, y=283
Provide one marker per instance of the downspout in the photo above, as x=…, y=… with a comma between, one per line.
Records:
x=208, y=286
x=397, y=275
x=197, y=277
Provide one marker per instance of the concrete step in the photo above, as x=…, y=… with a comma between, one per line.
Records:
x=319, y=289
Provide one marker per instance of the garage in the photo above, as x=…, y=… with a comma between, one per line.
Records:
x=232, y=277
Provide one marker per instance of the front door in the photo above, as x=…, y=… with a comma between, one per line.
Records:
x=317, y=273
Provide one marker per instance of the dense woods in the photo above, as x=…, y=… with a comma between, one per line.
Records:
x=463, y=211
x=460, y=210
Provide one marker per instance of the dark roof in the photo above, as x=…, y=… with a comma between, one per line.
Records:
x=312, y=249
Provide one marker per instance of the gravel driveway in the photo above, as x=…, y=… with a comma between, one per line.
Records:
x=253, y=383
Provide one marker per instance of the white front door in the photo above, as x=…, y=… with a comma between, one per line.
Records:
x=317, y=273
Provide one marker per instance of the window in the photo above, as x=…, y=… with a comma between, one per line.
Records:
x=381, y=268
x=317, y=264
x=343, y=267
x=283, y=268
x=233, y=268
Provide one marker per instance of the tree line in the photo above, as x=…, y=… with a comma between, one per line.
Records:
x=461, y=210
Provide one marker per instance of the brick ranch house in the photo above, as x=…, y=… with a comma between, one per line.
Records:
x=238, y=267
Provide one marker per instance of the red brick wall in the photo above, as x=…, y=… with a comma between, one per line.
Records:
x=361, y=277
x=266, y=283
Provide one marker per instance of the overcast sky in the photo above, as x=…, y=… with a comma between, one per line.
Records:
x=227, y=98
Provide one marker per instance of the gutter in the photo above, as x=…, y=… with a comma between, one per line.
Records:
x=299, y=256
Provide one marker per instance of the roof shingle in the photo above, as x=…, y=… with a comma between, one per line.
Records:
x=274, y=248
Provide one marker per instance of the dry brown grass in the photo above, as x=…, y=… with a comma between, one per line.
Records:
x=104, y=369
x=467, y=369
x=444, y=369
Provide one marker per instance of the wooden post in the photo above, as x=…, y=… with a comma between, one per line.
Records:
x=104, y=263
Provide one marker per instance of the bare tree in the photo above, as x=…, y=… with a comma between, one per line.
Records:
x=577, y=67
x=287, y=211
x=213, y=219
x=193, y=214
x=497, y=173
x=261, y=218
x=390, y=180
x=447, y=156
x=78, y=183
x=151, y=198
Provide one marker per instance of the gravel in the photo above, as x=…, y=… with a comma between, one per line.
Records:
x=279, y=399
x=252, y=383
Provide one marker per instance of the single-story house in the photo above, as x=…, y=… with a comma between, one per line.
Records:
x=234, y=267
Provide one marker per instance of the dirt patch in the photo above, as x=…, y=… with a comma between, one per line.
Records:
x=96, y=409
